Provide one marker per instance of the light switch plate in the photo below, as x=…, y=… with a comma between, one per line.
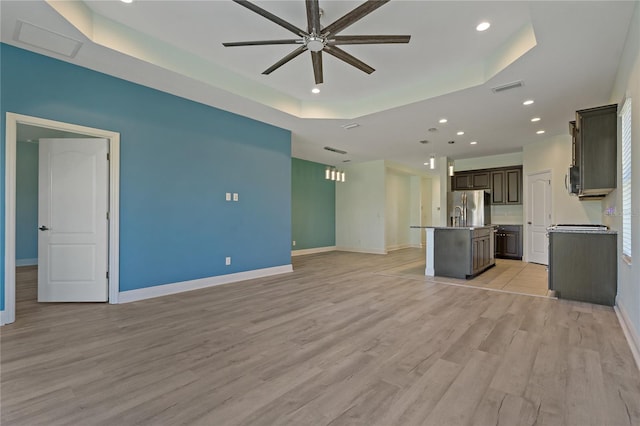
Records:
x=228, y=196
x=227, y=261
x=235, y=196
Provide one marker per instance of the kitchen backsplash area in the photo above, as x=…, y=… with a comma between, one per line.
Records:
x=507, y=214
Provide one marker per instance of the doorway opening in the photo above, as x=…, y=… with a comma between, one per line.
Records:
x=20, y=124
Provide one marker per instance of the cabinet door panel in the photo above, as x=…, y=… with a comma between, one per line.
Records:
x=513, y=179
x=481, y=180
x=497, y=187
x=462, y=181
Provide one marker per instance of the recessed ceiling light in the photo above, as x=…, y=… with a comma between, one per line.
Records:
x=473, y=143
x=433, y=129
x=528, y=102
x=126, y=1
x=424, y=141
x=539, y=132
x=460, y=133
x=534, y=119
x=315, y=90
x=483, y=26
x=442, y=120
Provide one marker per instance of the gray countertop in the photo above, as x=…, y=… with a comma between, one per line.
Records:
x=468, y=228
x=582, y=231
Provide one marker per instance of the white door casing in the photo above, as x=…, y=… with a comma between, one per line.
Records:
x=72, y=218
x=538, y=216
x=8, y=315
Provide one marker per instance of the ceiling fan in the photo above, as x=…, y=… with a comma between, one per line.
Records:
x=318, y=39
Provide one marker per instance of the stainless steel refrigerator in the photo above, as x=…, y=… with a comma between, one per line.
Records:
x=469, y=208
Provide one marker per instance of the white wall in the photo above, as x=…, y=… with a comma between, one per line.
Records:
x=360, y=208
x=398, y=206
x=627, y=84
x=554, y=154
x=489, y=162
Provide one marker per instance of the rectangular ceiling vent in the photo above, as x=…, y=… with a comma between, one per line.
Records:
x=508, y=86
x=45, y=39
x=339, y=151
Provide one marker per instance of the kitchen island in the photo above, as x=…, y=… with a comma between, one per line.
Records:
x=458, y=252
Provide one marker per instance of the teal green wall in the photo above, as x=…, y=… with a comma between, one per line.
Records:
x=313, y=206
x=26, y=202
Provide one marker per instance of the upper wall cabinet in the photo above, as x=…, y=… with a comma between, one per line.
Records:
x=595, y=150
x=471, y=180
x=505, y=183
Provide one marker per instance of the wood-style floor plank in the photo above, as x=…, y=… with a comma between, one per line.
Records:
x=346, y=339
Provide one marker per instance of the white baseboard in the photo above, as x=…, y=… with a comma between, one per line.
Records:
x=312, y=250
x=403, y=246
x=173, y=288
x=26, y=262
x=629, y=332
x=3, y=318
x=361, y=250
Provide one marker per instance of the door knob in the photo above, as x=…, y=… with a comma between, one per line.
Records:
x=43, y=228
x=528, y=223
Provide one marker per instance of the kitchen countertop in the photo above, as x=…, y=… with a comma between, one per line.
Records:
x=583, y=231
x=469, y=228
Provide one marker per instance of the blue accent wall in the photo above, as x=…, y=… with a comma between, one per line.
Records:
x=27, y=201
x=313, y=206
x=178, y=158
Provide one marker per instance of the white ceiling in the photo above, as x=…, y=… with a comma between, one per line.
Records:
x=566, y=53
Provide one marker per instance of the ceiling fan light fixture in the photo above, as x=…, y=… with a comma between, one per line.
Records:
x=315, y=90
x=315, y=43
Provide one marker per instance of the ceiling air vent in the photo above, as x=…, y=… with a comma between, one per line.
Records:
x=46, y=39
x=508, y=86
x=339, y=151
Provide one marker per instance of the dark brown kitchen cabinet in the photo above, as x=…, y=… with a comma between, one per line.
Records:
x=470, y=180
x=505, y=183
x=508, y=242
x=595, y=150
x=513, y=188
x=583, y=266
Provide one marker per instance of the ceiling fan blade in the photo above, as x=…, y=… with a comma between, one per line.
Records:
x=316, y=59
x=270, y=16
x=313, y=17
x=262, y=42
x=369, y=39
x=351, y=60
x=284, y=60
x=353, y=16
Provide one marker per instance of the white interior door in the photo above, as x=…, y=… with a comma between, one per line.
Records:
x=72, y=216
x=538, y=217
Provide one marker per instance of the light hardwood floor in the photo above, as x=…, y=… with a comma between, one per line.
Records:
x=345, y=339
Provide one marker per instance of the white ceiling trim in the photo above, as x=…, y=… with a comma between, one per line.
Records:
x=126, y=40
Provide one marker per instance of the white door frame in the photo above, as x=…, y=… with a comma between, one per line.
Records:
x=12, y=121
x=525, y=240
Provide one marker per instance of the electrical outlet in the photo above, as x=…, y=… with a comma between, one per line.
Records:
x=227, y=261
x=227, y=196
x=235, y=196
x=294, y=243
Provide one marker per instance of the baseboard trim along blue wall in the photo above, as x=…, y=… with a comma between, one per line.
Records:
x=178, y=159
x=173, y=288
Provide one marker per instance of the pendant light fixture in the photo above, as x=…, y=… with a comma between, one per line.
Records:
x=450, y=168
x=331, y=173
x=432, y=162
